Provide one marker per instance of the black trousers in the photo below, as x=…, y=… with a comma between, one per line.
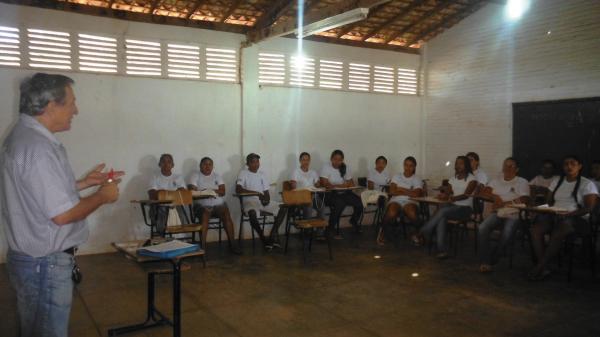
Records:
x=338, y=201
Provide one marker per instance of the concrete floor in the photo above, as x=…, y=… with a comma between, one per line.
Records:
x=355, y=295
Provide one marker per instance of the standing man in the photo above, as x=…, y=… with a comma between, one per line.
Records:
x=41, y=206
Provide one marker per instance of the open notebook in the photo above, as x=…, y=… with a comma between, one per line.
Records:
x=168, y=249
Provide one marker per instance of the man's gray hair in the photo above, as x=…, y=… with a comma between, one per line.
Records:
x=40, y=89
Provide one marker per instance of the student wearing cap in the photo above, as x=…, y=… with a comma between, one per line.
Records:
x=252, y=180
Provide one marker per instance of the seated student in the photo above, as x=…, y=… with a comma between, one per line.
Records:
x=337, y=175
x=576, y=194
x=377, y=180
x=304, y=177
x=208, y=179
x=403, y=186
x=540, y=183
x=251, y=180
x=166, y=180
x=595, y=173
x=479, y=174
x=458, y=191
x=504, y=190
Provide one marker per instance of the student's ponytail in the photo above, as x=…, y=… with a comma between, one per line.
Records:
x=342, y=169
x=560, y=181
x=576, y=189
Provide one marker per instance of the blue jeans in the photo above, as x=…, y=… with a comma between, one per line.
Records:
x=439, y=221
x=487, y=256
x=44, y=292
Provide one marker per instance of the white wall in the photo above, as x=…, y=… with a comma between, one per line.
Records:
x=128, y=122
x=479, y=67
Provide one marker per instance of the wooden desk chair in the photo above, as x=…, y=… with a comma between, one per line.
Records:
x=182, y=199
x=307, y=226
x=214, y=223
x=457, y=229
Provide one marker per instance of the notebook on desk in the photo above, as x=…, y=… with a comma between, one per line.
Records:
x=168, y=249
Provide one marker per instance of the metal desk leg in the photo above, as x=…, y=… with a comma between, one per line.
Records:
x=154, y=317
x=176, y=298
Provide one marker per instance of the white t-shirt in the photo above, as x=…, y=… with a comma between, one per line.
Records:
x=334, y=176
x=459, y=186
x=378, y=179
x=207, y=182
x=257, y=182
x=597, y=183
x=304, y=179
x=412, y=183
x=481, y=176
x=539, y=180
x=170, y=183
x=563, y=197
x=509, y=190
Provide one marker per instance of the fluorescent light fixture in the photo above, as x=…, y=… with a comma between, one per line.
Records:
x=516, y=8
x=335, y=21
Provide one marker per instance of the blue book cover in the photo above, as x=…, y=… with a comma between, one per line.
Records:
x=169, y=249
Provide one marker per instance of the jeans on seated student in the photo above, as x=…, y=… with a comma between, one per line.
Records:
x=439, y=221
x=253, y=206
x=458, y=191
x=486, y=255
x=504, y=191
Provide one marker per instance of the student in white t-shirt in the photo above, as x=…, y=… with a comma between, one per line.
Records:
x=208, y=179
x=165, y=180
x=504, y=190
x=304, y=177
x=458, y=191
x=378, y=177
x=252, y=180
x=377, y=184
x=540, y=183
x=575, y=194
x=402, y=187
x=337, y=175
x=479, y=174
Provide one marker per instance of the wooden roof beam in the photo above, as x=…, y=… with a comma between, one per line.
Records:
x=196, y=7
x=440, y=6
x=273, y=13
x=130, y=16
x=348, y=28
x=230, y=10
x=153, y=6
x=286, y=28
x=405, y=11
x=449, y=19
